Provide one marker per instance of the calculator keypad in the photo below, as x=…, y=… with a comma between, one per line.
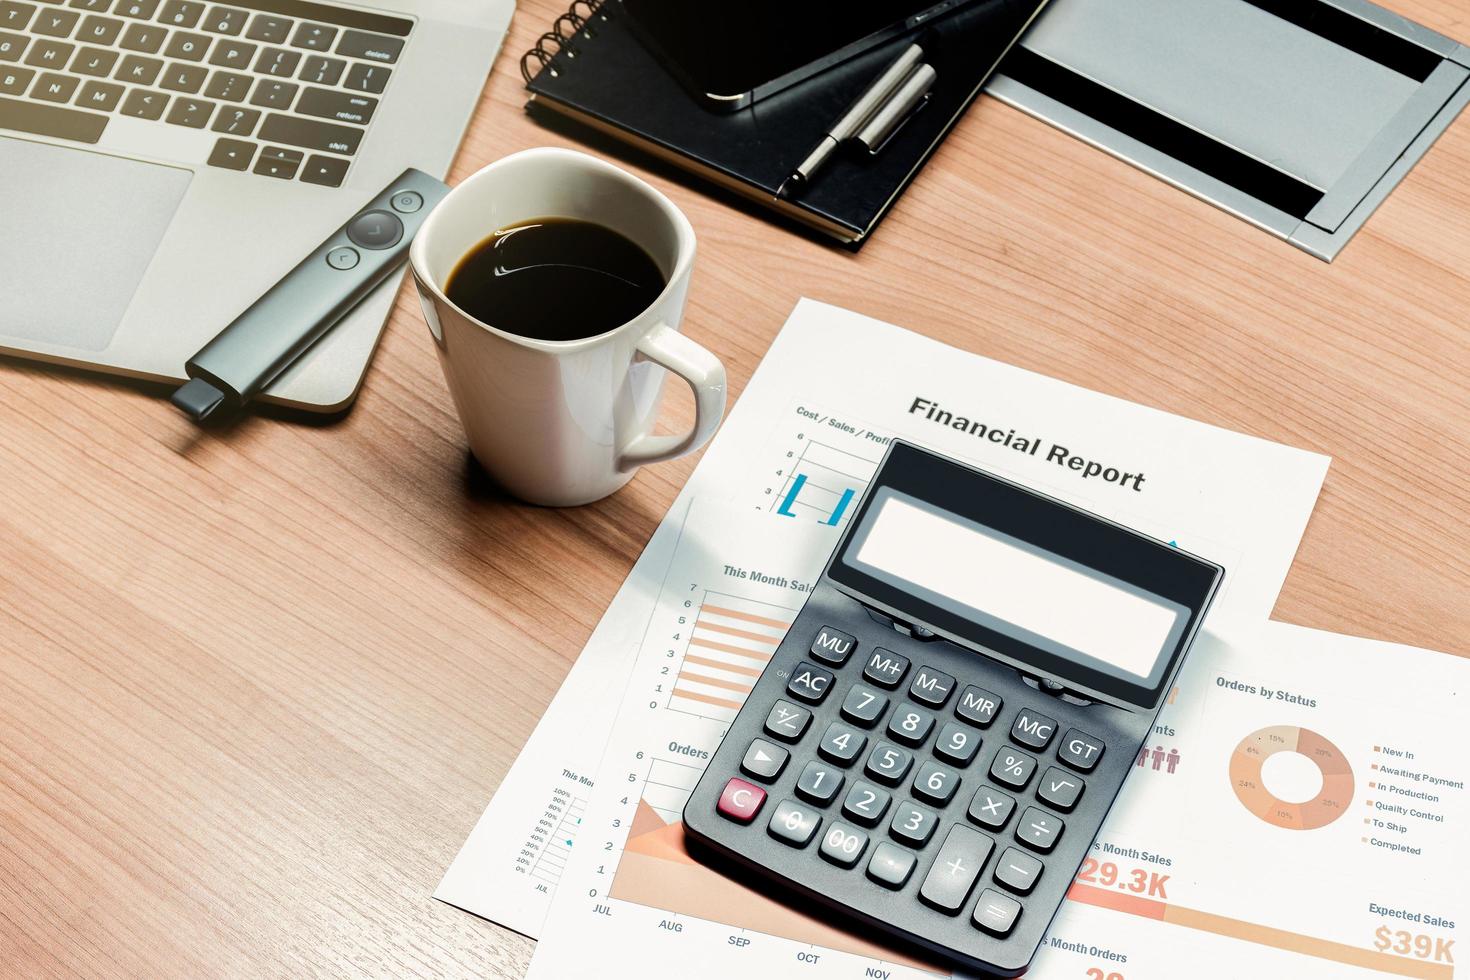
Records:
x=883, y=801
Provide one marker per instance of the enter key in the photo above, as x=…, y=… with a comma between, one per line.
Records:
x=342, y=106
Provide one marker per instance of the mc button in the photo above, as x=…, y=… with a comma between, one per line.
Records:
x=1032, y=730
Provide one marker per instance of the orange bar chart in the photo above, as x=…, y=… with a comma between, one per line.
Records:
x=731, y=641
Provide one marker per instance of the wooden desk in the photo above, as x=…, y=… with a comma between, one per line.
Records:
x=255, y=688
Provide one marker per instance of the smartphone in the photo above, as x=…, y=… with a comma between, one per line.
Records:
x=730, y=53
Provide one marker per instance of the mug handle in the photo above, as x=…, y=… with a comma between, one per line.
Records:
x=671, y=350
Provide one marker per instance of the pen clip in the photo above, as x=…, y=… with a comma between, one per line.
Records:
x=902, y=122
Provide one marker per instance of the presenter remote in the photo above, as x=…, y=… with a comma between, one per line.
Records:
x=279, y=327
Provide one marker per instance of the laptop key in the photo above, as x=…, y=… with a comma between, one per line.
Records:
x=49, y=54
x=186, y=46
x=277, y=161
x=373, y=47
x=12, y=45
x=367, y=78
x=278, y=62
x=232, y=54
x=143, y=104
x=139, y=9
x=13, y=81
x=342, y=106
x=15, y=16
x=56, y=23
x=52, y=87
x=193, y=113
x=97, y=62
x=147, y=38
x=236, y=120
x=51, y=120
x=92, y=6
x=228, y=86
x=181, y=13
x=313, y=135
x=317, y=37
x=322, y=71
x=184, y=78
x=269, y=28
x=99, y=30
x=102, y=96
x=138, y=70
x=225, y=20
x=231, y=154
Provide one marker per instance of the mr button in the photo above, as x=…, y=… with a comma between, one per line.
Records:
x=1080, y=750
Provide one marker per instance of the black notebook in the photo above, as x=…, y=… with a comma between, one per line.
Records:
x=594, y=70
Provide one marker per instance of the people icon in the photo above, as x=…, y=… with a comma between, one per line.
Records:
x=1172, y=759
x=1158, y=755
x=1162, y=760
x=1143, y=757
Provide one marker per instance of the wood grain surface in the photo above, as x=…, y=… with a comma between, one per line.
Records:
x=256, y=686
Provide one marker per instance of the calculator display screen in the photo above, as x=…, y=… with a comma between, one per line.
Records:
x=1006, y=584
x=1014, y=575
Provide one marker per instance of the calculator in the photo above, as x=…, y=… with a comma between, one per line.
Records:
x=934, y=745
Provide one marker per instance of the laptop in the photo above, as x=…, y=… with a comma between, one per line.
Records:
x=164, y=162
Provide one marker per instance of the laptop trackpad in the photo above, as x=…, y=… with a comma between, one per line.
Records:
x=78, y=231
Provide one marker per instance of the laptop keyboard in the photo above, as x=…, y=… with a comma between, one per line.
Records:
x=286, y=88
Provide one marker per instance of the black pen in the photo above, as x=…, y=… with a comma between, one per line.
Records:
x=872, y=117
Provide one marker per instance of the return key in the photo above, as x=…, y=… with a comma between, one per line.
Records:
x=343, y=106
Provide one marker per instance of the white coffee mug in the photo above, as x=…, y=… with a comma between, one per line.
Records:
x=565, y=422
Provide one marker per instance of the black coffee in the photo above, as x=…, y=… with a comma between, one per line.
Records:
x=555, y=279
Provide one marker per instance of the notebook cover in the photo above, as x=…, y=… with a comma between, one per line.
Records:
x=607, y=78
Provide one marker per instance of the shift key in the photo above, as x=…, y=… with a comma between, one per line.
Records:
x=342, y=106
x=48, y=120
x=308, y=133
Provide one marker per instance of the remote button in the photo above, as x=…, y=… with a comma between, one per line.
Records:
x=762, y=760
x=808, y=682
x=1080, y=750
x=910, y=725
x=996, y=913
x=406, y=202
x=325, y=171
x=788, y=721
x=373, y=47
x=819, y=783
x=912, y=824
x=936, y=784
x=977, y=706
x=956, y=744
x=1060, y=789
x=1038, y=829
x=886, y=667
x=740, y=801
x=955, y=869
x=990, y=808
x=793, y=824
x=374, y=229
x=842, y=743
x=1032, y=730
x=866, y=803
x=1017, y=870
x=833, y=646
x=891, y=865
x=863, y=705
x=1012, y=768
x=889, y=763
x=343, y=258
x=843, y=845
x=932, y=687
x=45, y=120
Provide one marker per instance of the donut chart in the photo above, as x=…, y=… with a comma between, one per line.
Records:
x=1337, y=777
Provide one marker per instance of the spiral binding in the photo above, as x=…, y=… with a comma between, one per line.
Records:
x=580, y=20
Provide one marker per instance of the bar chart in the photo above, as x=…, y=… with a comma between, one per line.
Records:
x=732, y=640
x=823, y=480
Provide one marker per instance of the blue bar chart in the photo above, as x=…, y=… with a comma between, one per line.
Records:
x=821, y=483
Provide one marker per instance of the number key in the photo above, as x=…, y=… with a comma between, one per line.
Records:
x=863, y=705
x=1012, y=768
x=181, y=13
x=866, y=803
x=956, y=744
x=912, y=824
x=793, y=824
x=842, y=743
x=889, y=763
x=936, y=784
x=844, y=845
x=809, y=682
x=910, y=725
x=225, y=20
x=819, y=783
